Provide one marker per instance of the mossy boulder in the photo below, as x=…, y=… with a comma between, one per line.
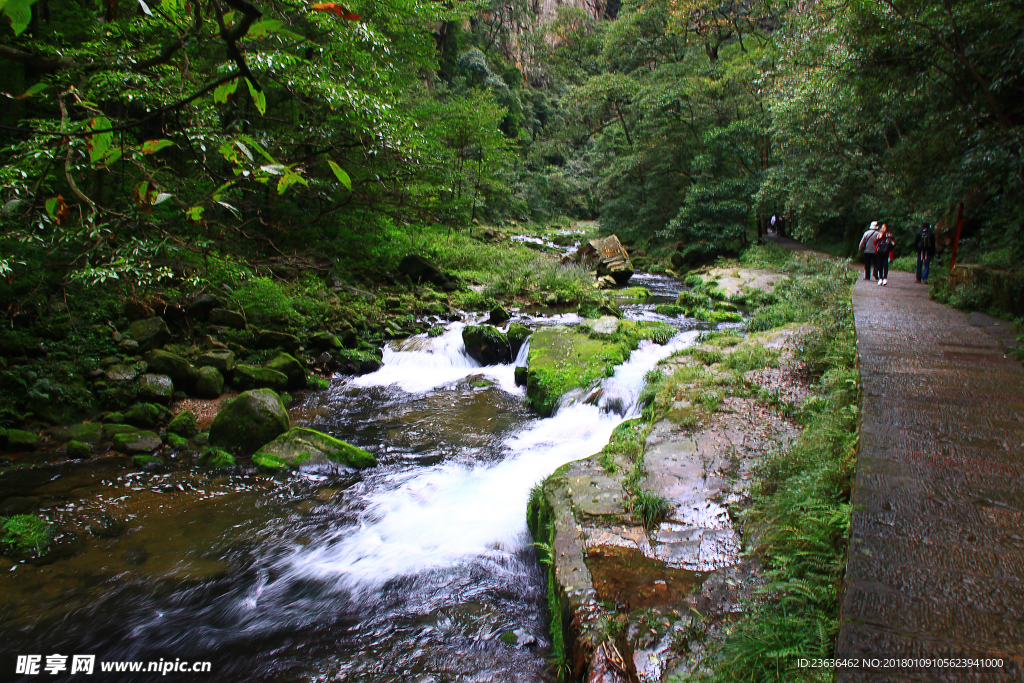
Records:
x=87, y=432
x=250, y=420
x=143, y=462
x=209, y=382
x=226, y=318
x=291, y=368
x=486, y=344
x=119, y=372
x=183, y=424
x=221, y=359
x=136, y=441
x=324, y=341
x=112, y=429
x=143, y=415
x=562, y=358
x=248, y=377
x=694, y=300
x=269, y=339
x=180, y=370
x=78, y=450
x=159, y=388
x=176, y=442
x=516, y=335
x=19, y=441
x=498, y=316
x=312, y=449
x=150, y=334
x=217, y=458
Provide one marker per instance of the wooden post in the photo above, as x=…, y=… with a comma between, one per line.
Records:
x=956, y=238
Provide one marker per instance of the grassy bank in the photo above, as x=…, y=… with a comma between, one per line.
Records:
x=797, y=520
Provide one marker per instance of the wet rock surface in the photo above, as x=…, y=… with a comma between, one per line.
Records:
x=935, y=556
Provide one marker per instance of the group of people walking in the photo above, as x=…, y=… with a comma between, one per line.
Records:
x=878, y=245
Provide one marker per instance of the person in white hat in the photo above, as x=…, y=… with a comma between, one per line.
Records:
x=867, y=248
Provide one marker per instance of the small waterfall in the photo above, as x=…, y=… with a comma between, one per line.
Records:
x=524, y=353
x=455, y=513
x=422, y=363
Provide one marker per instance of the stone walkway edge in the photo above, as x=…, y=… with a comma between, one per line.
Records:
x=936, y=557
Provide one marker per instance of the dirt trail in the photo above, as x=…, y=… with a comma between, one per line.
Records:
x=936, y=563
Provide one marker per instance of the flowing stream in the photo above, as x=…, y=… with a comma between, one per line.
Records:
x=420, y=569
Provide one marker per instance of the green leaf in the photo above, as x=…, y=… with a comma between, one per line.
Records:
x=225, y=90
x=112, y=155
x=219, y=194
x=154, y=146
x=195, y=214
x=289, y=178
x=19, y=13
x=341, y=175
x=262, y=29
x=99, y=143
x=34, y=90
x=245, y=150
x=258, y=97
x=51, y=206
x=162, y=197
x=259, y=148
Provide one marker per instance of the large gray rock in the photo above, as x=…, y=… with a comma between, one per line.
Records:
x=248, y=377
x=177, y=368
x=609, y=258
x=268, y=339
x=221, y=359
x=226, y=318
x=159, y=388
x=252, y=419
x=121, y=373
x=150, y=333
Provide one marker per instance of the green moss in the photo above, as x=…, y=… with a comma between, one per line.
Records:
x=299, y=445
x=25, y=532
x=176, y=442
x=216, y=458
x=628, y=293
x=269, y=462
x=140, y=461
x=183, y=424
x=562, y=358
x=435, y=331
x=670, y=309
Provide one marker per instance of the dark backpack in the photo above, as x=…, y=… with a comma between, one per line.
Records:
x=926, y=242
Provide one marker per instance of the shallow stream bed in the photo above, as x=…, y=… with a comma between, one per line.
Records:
x=420, y=569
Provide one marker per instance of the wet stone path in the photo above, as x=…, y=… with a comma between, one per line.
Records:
x=936, y=562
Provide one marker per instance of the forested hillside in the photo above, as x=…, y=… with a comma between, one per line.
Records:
x=138, y=133
x=224, y=223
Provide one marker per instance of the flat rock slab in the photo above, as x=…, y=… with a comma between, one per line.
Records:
x=732, y=280
x=595, y=495
x=936, y=562
x=699, y=474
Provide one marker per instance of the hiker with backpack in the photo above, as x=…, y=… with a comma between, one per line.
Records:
x=884, y=245
x=867, y=248
x=924, y=244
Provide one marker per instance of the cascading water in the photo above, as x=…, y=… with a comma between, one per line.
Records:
x=420, y=569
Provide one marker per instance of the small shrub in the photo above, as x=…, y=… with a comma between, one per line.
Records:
x=649, y=508
x=25, y=532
